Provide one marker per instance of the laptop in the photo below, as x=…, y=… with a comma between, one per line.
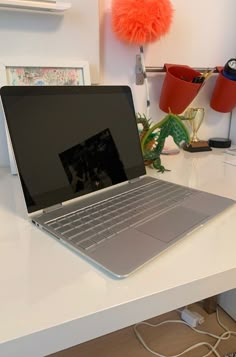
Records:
x=83, y=177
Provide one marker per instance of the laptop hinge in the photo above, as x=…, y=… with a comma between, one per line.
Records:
x=52, y=208
x=134, y=180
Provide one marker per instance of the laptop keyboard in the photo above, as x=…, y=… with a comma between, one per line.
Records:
x=93, y=225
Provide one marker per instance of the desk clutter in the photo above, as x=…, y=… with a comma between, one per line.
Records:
x=143, y=22
x=182, y=84
x=180, y=87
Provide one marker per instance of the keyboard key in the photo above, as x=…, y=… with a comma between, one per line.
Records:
x=77, y=219
x=107, y=234
x=107, y=225
x=137, y=210
x=110, y=215
x=98, y=238
x=64, y=229
x=85, y=219
x=122, y=210
x=72, y=233
x=121, y=227
x=81, y=237
x=132, y=221
x=62, y=221
x=86, y=244
x=118, y=220
x=68, y=220
x=54, y=225
x=77, y=224
x=95, y=215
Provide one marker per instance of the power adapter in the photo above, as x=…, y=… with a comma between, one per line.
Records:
x=200, y=317
x=191, y=318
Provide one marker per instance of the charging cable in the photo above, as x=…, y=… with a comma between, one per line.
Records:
x=224, y=336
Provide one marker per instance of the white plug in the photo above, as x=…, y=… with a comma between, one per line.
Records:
x=192, y=318
x=200, y=317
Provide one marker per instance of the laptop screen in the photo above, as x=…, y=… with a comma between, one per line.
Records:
x=70, y=141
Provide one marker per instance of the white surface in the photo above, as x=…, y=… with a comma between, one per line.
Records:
x=230, y=159
x=52, y=299
x=51, y=6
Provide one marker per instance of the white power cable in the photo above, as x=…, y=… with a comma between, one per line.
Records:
x=226, y=335
x=227, y=331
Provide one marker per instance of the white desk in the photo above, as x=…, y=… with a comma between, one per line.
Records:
x=51, y=298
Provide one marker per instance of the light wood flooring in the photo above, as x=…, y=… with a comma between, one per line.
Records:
x=169, y=339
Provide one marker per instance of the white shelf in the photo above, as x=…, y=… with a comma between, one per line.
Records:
x=45, y=6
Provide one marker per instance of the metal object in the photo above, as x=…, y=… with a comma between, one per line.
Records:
x=139, y=71
x=152, y=69
x=195, y=118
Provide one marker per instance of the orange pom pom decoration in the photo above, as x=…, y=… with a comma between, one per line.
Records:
x=141, y=21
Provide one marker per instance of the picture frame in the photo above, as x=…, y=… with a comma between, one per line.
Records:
x=35, y=72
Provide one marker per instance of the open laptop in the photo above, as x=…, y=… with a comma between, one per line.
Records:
x=80, y=164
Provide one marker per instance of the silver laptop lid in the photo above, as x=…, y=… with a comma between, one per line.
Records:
x=71, y=141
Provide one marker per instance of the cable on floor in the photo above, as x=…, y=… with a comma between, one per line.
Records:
x=213, y=349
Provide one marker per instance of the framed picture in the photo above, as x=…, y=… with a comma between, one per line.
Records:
x=37, y=73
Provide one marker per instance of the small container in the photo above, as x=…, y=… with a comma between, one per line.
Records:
x=229, y=70
x=179, y=88
x=224, y=94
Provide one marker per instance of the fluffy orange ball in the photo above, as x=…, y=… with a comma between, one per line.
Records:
x=141, y=21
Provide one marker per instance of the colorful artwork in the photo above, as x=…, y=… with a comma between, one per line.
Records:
x=40, y=76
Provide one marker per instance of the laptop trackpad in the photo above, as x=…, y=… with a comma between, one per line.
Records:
x=172, y=224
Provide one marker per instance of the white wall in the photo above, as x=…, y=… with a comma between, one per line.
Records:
x=202, y=34
x=33, y=35
x=71, y=37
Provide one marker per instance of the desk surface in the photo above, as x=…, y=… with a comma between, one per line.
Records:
x=51, y=298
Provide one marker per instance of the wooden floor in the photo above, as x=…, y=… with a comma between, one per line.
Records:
x=169, y=339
